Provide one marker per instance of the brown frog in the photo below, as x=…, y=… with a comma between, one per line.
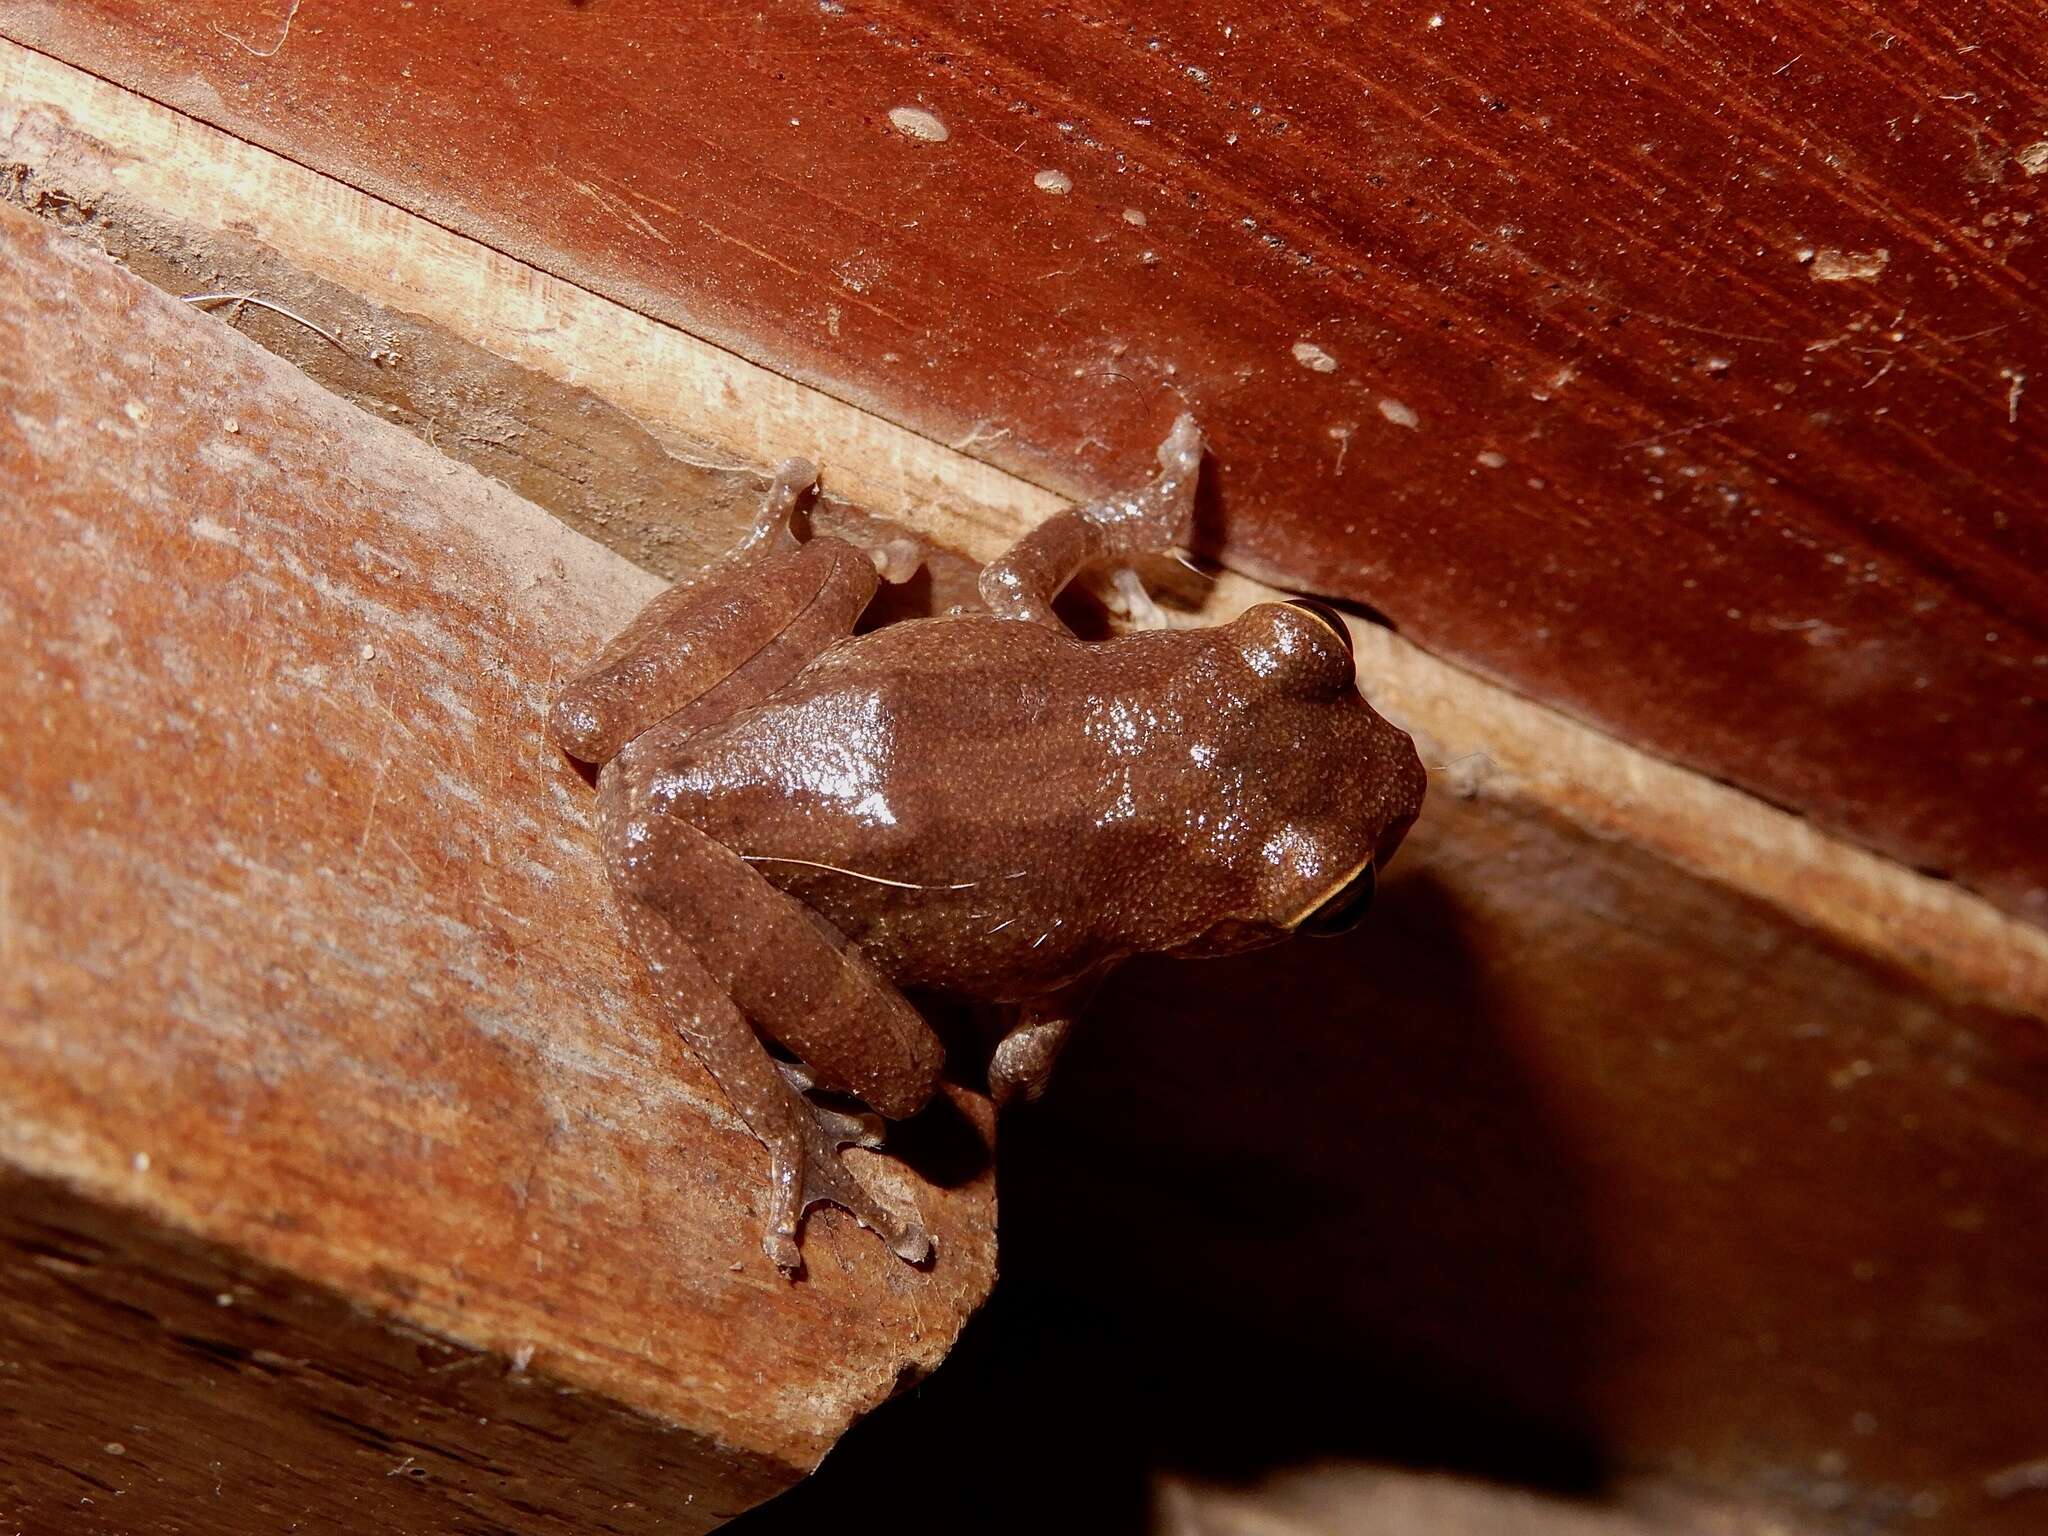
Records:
x=798, y=821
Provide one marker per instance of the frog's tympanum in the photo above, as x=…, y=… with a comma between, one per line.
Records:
x=799, y=821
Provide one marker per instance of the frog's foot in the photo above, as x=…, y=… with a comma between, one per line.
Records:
x=846, y=1130
x=1133, y=604
x=1025, y=1056
x=771, y=529
x=897, y=560
x=805, y=1170
x=1022, y=583
x=1161, y=514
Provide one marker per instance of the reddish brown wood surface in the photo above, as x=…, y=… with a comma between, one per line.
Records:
x=307, y=967
x=1676, y=363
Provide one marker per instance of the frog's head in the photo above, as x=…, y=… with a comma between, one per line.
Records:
x=1317, y=789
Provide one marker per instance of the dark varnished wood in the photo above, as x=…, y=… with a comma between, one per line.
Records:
x=1746, y=299
x=161, y=1383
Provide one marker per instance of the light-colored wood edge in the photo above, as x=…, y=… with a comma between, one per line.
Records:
x=1481, y=739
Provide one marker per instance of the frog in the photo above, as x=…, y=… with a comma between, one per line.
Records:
x=803, y=822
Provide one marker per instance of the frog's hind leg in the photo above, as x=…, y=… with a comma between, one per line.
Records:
x=803, y=1150
x=1022, y=582
x=726, y=948
x=771, y=594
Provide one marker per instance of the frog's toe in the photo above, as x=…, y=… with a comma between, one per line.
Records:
x=1133, y=604
x=912, y=1245
x=1181, y=452
x=844, y=1130
x=797, y=1075
x=828, y=1181
x=782, y=1250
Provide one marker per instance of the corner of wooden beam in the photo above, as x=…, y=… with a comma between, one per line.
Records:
x=329, y=1081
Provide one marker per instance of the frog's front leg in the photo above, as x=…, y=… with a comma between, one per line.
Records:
x=1022, y=582
x=1023, y=1060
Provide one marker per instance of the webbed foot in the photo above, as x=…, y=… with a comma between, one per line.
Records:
x=805, y=1169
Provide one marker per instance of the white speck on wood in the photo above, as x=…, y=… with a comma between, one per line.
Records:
x=1313, y=357
x=916, y=123
x=1341, y=435
x=263, y=53
x=214, y=532
x=1058, y=183
x=1833, y=266
x=1400, y=415
x=2032, y=158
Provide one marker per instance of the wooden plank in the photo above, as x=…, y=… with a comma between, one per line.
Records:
x=189, y=205
x=1334, y=1502
x=312, y=993
x=160, y=1383
x=1568, y=1168
x=1670, y=366
x=1647, y=1125
x=1568, y=1164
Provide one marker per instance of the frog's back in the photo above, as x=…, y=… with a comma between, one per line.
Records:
x=906, y=750
x=938, y=789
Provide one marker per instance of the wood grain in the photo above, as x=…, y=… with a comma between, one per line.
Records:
x=1668, y=363
x=308, y=964
x=1648, y=1134
x=651, y=440
x=160, y=1383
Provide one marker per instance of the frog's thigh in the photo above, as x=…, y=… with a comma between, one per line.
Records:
x=692, y=637
x=826, y=1004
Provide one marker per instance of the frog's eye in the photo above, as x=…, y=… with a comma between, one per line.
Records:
x=1345, y=910
x=1326, y=615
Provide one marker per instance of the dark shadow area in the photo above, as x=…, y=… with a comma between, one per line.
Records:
x=251, y=1399
x=1291, y=1206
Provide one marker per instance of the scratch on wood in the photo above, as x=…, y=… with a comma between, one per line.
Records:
x=263, y=53
x=276, y=309
x=613, y=205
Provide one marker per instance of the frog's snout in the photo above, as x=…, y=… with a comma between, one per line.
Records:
x=1390, y=841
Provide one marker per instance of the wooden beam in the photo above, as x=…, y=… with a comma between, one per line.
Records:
x=1683, y=377
x=329, y=1081
x=181, y=202
x=1645, y=1115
